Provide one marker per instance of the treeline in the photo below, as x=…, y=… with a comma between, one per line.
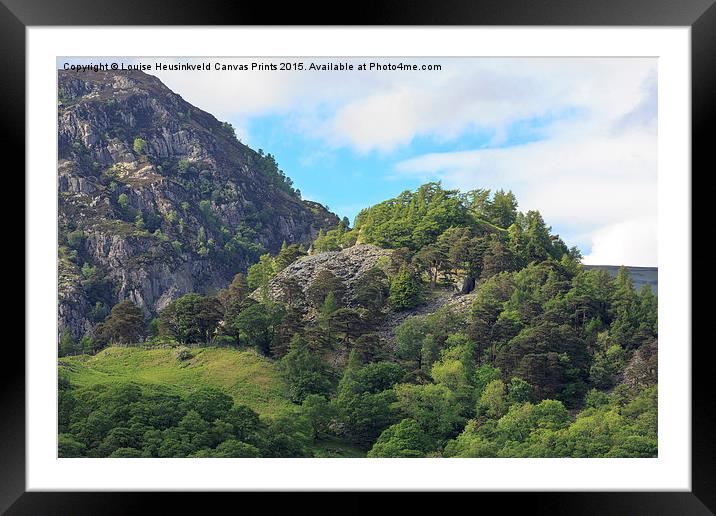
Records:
x=132, y=421
x=447, y=234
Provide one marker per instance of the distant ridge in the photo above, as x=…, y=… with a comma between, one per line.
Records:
x=640, y=275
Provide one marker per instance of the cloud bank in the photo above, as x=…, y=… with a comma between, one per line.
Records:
x=574, y=138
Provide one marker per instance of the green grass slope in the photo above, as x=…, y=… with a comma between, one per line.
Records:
x=250, y=379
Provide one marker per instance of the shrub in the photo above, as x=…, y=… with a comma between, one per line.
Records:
x=182, y=353
x=139, y=145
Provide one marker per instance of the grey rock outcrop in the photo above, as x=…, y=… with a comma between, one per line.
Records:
x=349, y=264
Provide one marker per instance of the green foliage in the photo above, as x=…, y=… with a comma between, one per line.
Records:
x=493, y=400
x=261, y=273
x=258, y=324
x=412, y=220
x=67, y=345
x=405, y=290
x=191, y=318
x=267, y=165
x=76, y=239
x=305, y=373
x=519, y=391
x=229, y=129
x=371, y=290
x=419, y=338
x=139, y=146
x=361, y=414
x=605, y=428
x=404, y=439
x=321, y=413
x=287, y=255
x=209, y=402
x=434, y=407
x=551, y=360
x=125, y=324
x=324, y=283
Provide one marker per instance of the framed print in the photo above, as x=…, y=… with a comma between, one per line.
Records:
x=420, y=253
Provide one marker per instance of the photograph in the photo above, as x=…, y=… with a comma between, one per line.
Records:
x=357, y=257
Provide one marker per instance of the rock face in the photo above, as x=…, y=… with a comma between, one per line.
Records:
x=349, y=264
x=158, y=198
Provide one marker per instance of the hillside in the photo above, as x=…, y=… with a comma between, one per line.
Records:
x=444, y=324
x=247, y=377
x=158, y=198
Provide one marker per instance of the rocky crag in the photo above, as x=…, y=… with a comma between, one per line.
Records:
x=158, y=198
x=349, y=265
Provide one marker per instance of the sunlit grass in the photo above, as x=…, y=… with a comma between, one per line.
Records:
x=249, y=378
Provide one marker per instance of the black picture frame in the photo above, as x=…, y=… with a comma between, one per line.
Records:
x=700, y=15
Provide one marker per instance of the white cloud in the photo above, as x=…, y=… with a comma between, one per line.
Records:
x=631, y=242
x=589, y=175
x=593, y=176
x=383, y=110
x=589, y=182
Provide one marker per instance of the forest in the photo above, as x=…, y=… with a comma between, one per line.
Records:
x=534, y=355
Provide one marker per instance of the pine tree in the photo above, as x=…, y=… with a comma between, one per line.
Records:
x=405, y=289
x=124, y=324
x=67, y=344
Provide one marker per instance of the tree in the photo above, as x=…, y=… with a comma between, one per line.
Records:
x=539, y=242
x=377, y=377
x=68, y=446
x=67, y=344
x=231, y=448
x=432, y=259
x=370, y=346
x=287, y=436
x=519, y=391
x=404, y=439
x=232, y=296
x=348, y=323
x=497, y=258
x=321, y=413
x=139, y=146
x=492, y=402
x=209, y=402
x=371, y=290
x=405, y=289
x=502, y=211
x=486, y=309
x=322, y=284
x=409, y=338
x=261, y=273
x=291, y=324
x=246, y=424
x=304, y=372
x=86, y=344
x=362, y=414
x=434, y=407
x=287, y=255
x=191, y=318
x=258, y=324
x=124, y=324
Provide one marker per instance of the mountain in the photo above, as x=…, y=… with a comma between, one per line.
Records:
x=158, y=198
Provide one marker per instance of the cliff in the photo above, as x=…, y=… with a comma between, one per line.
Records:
x=158, y=198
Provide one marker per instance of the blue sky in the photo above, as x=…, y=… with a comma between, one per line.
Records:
x=348, y=180
x=574, y=138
